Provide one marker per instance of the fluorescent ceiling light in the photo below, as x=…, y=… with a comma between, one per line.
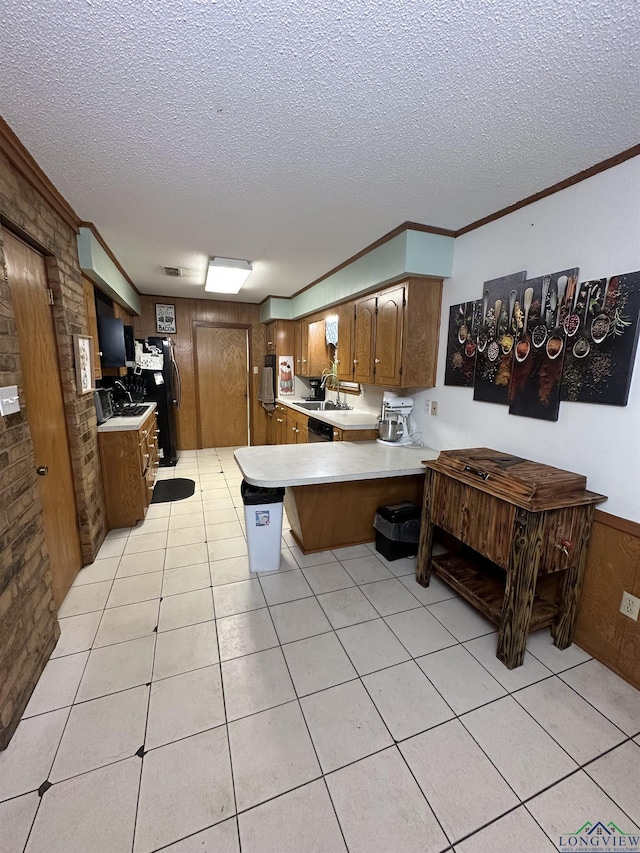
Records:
x=226, y=275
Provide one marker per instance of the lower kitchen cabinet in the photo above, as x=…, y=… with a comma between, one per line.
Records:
x=129, y=466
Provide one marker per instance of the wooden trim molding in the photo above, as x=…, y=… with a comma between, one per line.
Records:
x=102, y=242
x=624, y=525
x=634, y=151
x=26, y=165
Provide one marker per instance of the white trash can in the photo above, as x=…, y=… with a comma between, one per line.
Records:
x=263, y=520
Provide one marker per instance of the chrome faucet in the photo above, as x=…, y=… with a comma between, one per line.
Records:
x=339, y=403
x=123, y=387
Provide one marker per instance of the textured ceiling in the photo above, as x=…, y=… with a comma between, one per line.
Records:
x=293, y=134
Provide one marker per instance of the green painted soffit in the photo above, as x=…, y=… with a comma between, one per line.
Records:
x=410, y=253
x=96, y=264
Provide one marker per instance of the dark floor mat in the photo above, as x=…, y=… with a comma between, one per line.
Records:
x=172, y=490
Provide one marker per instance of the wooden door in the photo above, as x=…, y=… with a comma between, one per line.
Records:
x=317, y=348
x=44, y=409
x=363, y=340
x=388, y=347
x=222, y=370
x=344, y=355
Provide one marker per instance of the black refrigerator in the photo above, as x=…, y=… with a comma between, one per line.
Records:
x=162, y=386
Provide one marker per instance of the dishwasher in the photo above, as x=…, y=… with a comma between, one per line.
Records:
x=319, y=431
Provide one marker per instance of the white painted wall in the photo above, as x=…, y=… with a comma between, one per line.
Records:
x=594, y=225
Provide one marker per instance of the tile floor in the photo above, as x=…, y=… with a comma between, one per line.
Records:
x=193, y=706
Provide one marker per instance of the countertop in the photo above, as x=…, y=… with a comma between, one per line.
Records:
x=328, y=462
x=343, y=418
x=120, y=424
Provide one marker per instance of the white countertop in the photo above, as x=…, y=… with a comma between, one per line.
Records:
x=328, y=462
x=342, y=418
x=120, y=424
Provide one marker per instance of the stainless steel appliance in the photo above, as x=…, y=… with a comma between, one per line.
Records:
x=319, y=431
x=393, y=425
x=317, y=390
x=162, y=386
x=103, y=401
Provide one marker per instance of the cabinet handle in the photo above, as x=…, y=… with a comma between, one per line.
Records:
x=469, y=470
x=376, y=361
x=269, y=343
x=565, y=545
x=304, y=360
x=146, y=455
x=355, y=360
x=279, y=420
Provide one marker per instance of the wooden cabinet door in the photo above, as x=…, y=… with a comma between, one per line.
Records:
x=302, y=353
x=292, y=430
x=388, y=341
x=298, y=349
x=302, y=436
x=271, y=338
x=271, y=422
x=364, y=340
x=92, y=322
x=317, y=348
x=344, y=355
x=280, y=428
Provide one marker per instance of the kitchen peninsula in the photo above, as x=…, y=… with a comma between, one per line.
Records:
x=333, y=489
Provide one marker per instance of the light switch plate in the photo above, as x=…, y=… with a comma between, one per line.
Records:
x=9, y=400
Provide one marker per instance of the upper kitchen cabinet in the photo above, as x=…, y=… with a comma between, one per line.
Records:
x=92, y=323
x=344, y=353
x=311, y=348
x=280, y=337
x=395, y=335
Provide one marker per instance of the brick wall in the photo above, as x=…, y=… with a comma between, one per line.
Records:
x=28, y=626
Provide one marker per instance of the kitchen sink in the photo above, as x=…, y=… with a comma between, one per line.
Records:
x=131, y=411
x=317, y=406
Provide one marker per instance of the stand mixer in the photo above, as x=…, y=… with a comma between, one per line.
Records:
x=393, y=426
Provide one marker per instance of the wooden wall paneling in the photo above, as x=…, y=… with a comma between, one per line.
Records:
x=183, y=350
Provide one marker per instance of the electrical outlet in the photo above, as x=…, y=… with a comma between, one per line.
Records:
x=630, y=605
x=434, y=408
x=430, y=407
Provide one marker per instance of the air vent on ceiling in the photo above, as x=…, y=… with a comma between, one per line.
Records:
x=176, y=272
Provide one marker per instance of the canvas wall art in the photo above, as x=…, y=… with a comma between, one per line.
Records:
x=461, y=344
x=541, y=313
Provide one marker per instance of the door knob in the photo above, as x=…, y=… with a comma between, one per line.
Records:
x=42, y=470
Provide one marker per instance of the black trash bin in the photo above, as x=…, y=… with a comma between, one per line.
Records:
x=397, y=529
x=263, y=522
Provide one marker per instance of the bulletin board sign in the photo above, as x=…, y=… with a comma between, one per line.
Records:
x=165, y=319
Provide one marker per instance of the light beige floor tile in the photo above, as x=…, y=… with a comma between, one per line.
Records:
x=541, y=646
x=190, y=507
x=187, y=608
x=389, y=597
x=518, y=829
x=226, y=530
x=618, y=774
x=347, y=607
x=287, y=564
x=344, y=725
x=240, y=597
x=185, y=649
x=186, y=786
x=231, y=570
x=186, y=555
x=436, y=591
x=26, y=762
x=159, y=510
x=102, y=731
x=566, y=807
x=180, y=522
x=136, y=588
x=85, y=599
x=151, y=525
x=218, y=503
x=300, y=820
x=307, y=560
x=186, y=536
x=118, y=667
x=296, y=620
x=612, y=696
x=129, y=622
x=112, y=548
x=463, y=682
x=327, y=577
x=351, y=552
x=184, y=705
x=317, y=663
x=58, y=684
x=221, y=838
x=100, y=805
x=145, y=542
x=581, y=730
x=16, y=817
x=100, y=570
x=220, y=516
x=371, y=646
x=420, y=632
x=186, y=579
x=461, y=785
x=118, y=533
x=141, y=564
x=225, y=549
x=77, y=633
x=284, y=586
x=366, y=569
x=461, y=619
x=389, y=813
x=215, y=494
x=400, y=568
x=245, y=633
x=271, y=753
x=484, y=650
x=255, y=683
x=406, y=700
x=521, y=750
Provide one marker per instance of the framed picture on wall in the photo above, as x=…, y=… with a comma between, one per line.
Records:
x=83, y=349
x=165, y=319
